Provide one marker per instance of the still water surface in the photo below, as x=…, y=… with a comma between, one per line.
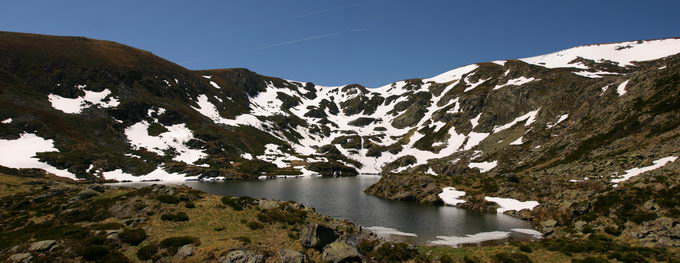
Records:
x=344, y=198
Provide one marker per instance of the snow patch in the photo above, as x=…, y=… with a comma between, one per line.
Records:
x=508, y=204
x=215, y=85
x=175, y=138
x=451, y=196
x=516, y=82
x=20, y=153
x=530, y=117
x=621, y=89
x=157, y=175
x=468, y=239
x=7, y=121
x=77, y=105
x=527, y=231
x=386, y=231
x=637, y=171
x=484, y=166
x=621, y=53
x=518, y=141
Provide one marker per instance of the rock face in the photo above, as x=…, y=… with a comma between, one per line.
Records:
x=340, y=251
x=316, y=236
x=243, y=256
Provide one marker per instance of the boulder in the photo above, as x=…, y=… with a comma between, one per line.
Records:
x=316, y=236
x=340, y=251
x=21, y=257
x=41, y=246
x=242, y=256
x=291, y=256
x=185, y=251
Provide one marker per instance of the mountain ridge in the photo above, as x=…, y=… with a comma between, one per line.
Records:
x=564, y=139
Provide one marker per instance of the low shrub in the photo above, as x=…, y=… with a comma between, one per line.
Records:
x=591, y=260
x=244, y=240
x=510, y=257
x=366, y=246
x=168, y=199
x=284, y=214
x=174, y=243
x=179, y=217
x=189, y=205
x=239, y=203
x=132, y=236
x=394, y=252
x=147, y=252
x=446, y=259
x=255, y=225
x=95, y=252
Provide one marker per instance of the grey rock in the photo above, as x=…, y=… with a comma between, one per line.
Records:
x=242, y=256
x=340, y=251
x=268, y=204
x=291, y=256
x=21, y=257
x=316, y=236
x=185, y=251
x=45, y=245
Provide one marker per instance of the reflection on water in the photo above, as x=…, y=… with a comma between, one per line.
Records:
x=344, y=198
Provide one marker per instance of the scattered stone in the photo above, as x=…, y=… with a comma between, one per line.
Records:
x=41, y=246
x=340, y=251
x=242, y=256
x=291, y=256
x=185, y=251
x=21, y=257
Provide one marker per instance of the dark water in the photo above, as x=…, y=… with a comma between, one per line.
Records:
x=344, y=198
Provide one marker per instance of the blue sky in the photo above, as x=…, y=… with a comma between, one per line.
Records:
x=371, y=42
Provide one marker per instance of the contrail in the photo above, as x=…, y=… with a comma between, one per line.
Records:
x=291, y=18
x=298, y=40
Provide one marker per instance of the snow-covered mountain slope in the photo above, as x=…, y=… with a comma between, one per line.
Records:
x=233, y=123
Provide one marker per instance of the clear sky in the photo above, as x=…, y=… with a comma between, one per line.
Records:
x=371, y=42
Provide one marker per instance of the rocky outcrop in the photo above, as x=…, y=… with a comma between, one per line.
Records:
x=421, y=188
x=316, y=236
